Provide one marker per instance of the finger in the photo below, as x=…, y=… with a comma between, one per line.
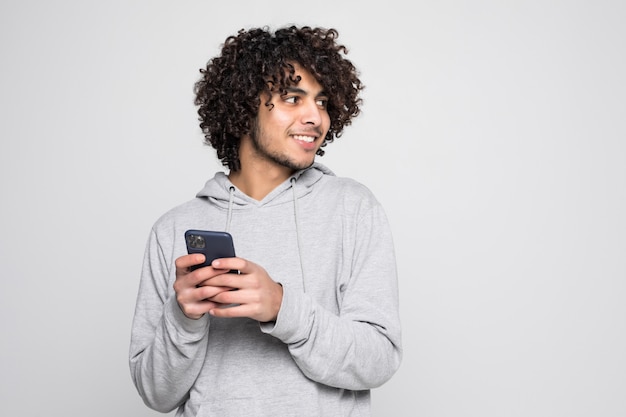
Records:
x=184, y=262
x=210, y=291
x=229, y=310
x=200, y=277
x=248, y=297
x=227, y=280
x=198, y=309
x=236, y=264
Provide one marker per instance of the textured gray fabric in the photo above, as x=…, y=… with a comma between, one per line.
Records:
x=329, y=345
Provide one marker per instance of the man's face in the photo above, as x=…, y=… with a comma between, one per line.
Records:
x=289, y=132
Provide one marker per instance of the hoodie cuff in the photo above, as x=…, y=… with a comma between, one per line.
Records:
x=294, y=317
x=186, y=327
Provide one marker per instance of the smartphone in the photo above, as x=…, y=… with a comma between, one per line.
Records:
x=211, y=244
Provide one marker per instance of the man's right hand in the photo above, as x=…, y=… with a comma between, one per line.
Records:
x=192, y=293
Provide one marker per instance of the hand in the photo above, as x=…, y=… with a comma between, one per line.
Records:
x=192, y=294
x=257, y=296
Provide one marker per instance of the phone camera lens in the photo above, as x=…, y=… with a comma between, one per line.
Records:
x=197, y=241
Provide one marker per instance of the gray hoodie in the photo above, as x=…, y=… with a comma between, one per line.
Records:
x=327, y=241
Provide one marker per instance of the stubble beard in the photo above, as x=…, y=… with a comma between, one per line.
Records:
x=264, y=152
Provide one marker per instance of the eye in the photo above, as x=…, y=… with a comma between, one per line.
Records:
x=291, y=99
x=322, y=102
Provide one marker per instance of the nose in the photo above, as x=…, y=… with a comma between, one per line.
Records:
x=312, y=113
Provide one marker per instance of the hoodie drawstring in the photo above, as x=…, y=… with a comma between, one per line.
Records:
x=295, y=215
x=230, y=207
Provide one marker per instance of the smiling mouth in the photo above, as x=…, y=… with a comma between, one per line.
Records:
x=303, y=138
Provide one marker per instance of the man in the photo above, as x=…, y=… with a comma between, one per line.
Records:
x=310, y=323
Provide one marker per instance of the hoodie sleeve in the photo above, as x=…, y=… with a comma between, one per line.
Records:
x=167, y=349
x=359, y=348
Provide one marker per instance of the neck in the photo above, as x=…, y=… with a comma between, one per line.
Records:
x=257, y=177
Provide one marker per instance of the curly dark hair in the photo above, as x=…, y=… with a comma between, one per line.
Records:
x=255, y=61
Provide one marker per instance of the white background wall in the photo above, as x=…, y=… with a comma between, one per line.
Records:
x=493, y=133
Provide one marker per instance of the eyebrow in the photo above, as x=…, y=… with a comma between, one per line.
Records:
x=297, y=90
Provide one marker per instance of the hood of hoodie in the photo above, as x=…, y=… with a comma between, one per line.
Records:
x=221, y=192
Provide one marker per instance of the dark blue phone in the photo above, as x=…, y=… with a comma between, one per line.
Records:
x=211, y=244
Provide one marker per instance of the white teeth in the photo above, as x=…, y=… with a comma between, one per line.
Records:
x=308, y=139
